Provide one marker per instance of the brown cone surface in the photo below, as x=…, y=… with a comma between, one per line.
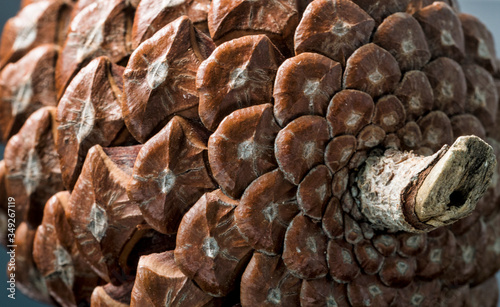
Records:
x=212, y=151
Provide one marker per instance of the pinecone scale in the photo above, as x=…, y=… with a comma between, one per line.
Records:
x=215, y=153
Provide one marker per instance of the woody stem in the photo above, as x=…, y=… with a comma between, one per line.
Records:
x=401, y=191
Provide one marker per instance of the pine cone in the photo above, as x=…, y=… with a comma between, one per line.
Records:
x=251, y=153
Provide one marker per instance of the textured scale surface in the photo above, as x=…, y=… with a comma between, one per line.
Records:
x=206, y=153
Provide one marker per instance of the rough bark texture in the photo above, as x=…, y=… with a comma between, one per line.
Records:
x=404, y=192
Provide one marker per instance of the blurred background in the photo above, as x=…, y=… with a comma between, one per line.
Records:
x=487, y=10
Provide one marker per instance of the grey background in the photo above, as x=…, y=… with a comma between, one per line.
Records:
x=488, y=11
